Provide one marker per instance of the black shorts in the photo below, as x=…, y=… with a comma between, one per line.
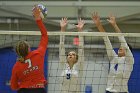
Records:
x=31, y=90
x=114, y=92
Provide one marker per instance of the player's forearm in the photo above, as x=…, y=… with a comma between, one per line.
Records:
x=80, y=29
x=122, y=41
x=100, y=28
x=81, y=54
x=63, y=29
x=121, y=38
x=107, y=43
x=44, y=37
x=81, y=41
x=81, y=47
x=41, y=27
x=125, y=45
x=62, y=39
x=110, y=51
x=117, y=29
x=62, y=57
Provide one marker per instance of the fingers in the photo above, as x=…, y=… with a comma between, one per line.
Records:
x=80, y=21
x=80, y=24
x=36, y=9
x=64, y=19
x=111, y=16
x=63, y=22
x=36, y=12
x=95, y=16
x=108, y=20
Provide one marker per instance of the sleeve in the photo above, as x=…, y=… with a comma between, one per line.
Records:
x=81, y=58
x=62, y=56
x=44, y=38
x=14, y=80
x=129, y=55
x=110, y=51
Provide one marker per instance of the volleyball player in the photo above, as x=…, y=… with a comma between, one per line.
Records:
x=117, y=78
x=28, y=71
x=72, y=62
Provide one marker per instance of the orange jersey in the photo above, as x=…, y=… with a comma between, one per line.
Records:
x=31, y=73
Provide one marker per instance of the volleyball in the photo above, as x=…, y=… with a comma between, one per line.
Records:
x=43, y=10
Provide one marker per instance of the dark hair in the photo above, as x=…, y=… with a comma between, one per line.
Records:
x=22, y=50
x=130, y=47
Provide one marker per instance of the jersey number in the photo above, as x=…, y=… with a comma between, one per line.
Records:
x=68, y=76
x=29, y=62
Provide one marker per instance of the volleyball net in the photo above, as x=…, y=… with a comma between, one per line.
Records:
x=95, y=65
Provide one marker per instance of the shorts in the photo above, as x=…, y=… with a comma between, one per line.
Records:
x=31, y=90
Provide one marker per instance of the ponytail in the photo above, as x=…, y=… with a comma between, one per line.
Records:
x=22, y=50
x=20, y=59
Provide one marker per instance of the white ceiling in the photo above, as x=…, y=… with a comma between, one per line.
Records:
x=126, y=12
x=17, y=15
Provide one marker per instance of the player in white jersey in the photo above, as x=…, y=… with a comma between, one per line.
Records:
x=117, y=78
x=72, y=62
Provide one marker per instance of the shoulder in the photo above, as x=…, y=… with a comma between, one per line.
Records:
x=16, y=66
x=32, y=53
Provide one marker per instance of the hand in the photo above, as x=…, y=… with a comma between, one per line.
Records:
x=96, y=18
x=63, y=23
x=36, y=12
x=112, y=20
x=80, y=24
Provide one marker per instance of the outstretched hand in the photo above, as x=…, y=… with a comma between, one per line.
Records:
x=36, y=12
x=63, y=23
x=96, y=18
x=80, y=24
x=112, y=20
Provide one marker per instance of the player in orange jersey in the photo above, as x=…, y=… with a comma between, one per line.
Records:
x=28, y=71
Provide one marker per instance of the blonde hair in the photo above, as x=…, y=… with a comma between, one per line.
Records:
x=22, y=49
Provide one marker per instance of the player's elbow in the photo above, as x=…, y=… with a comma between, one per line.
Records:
x=45, y=35
x=14, y=86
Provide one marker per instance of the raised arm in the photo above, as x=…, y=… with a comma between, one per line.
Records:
x=80, y=47
x=62, y=56
x=129, y=55
x=44, y=36
x=110, y=51
x=112, y=21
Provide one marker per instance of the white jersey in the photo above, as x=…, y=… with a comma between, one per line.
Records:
x=70, y=81
x=71, y=77
x=118, y=78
